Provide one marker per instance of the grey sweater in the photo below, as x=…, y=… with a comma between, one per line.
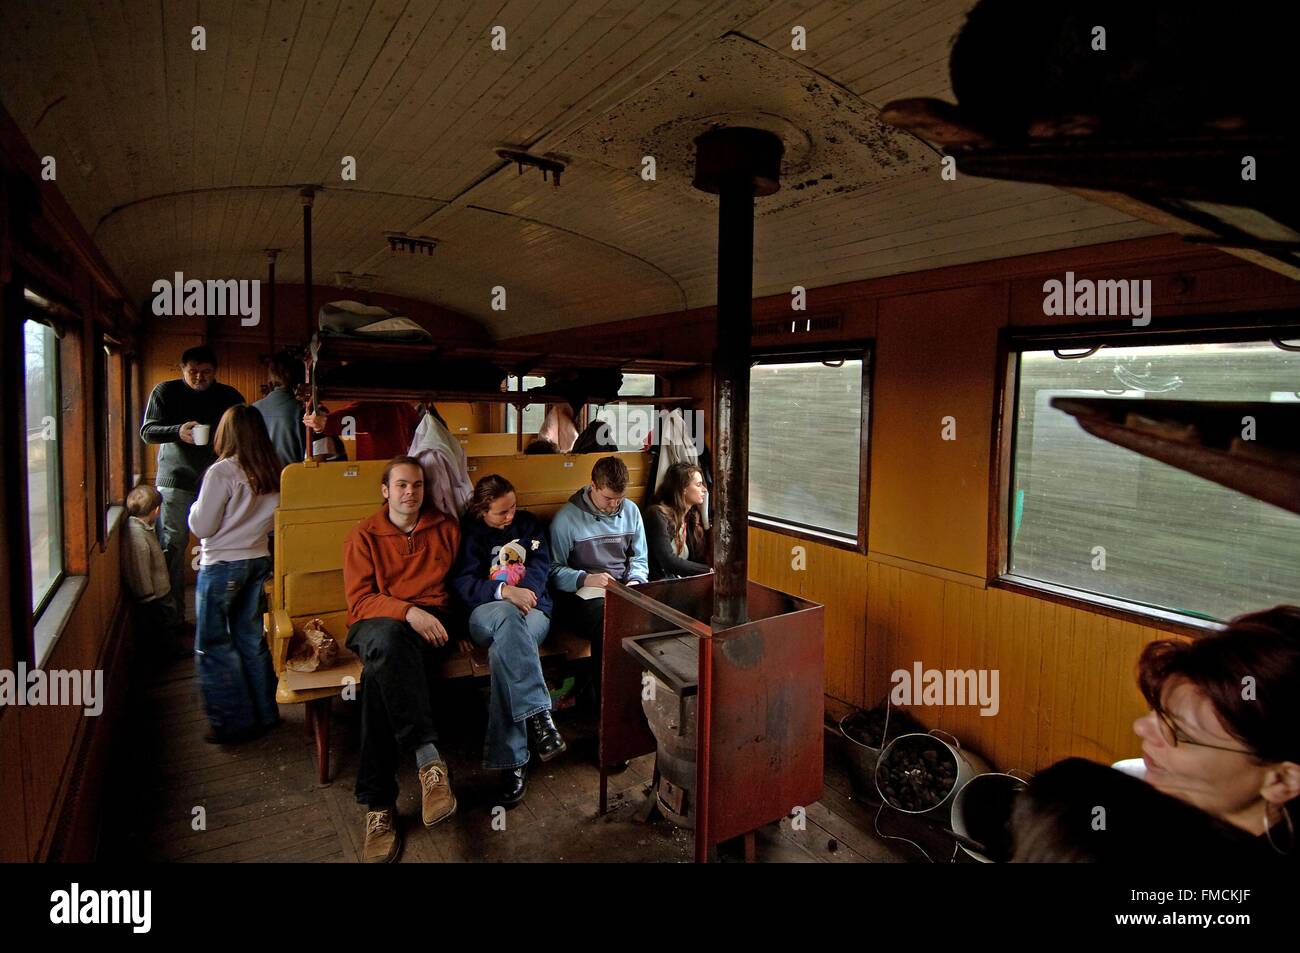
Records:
x=182, y=465
x=283, y=416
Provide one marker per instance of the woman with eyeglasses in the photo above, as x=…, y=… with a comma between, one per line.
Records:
x=1223, y=733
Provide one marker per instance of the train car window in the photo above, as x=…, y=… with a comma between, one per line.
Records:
x=134, y=413
x=629, y=424
x=533, y=413
x=101, y=430
x=1101, y=520
x=118, y=435
x=44, y=481
x=812, y=410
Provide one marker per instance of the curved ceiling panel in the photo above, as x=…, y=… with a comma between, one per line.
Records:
x=177, y=160
x=553, y=278
x=834, y=143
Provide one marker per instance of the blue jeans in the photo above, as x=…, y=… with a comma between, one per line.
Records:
x=174, y=537
x=233, y=661
x=518, y=688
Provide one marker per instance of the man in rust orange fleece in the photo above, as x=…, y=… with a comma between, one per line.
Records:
x=395, y=563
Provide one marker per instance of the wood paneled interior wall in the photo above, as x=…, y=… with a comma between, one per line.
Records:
x=64, y=751
x=53, y=758
x=921, y=593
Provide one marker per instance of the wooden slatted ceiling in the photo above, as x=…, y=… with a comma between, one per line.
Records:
x=185, y=161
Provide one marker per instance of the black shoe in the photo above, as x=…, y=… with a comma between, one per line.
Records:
x=231, y=737
x=545, y=737
x=514, y=784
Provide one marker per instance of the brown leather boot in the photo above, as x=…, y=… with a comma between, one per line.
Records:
x=383, y=837
x=438, y=799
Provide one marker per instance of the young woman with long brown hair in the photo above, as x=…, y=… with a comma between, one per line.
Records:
x=673, y=528
x=232, y=518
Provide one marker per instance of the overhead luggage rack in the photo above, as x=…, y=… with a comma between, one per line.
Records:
x=330, y=352
x=1206, y=438
x=334, y=349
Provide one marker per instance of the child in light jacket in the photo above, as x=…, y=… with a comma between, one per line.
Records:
x=144, y=567
x=232, y=517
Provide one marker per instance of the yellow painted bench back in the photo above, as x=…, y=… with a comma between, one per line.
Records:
x=475, y=444
x=320, y=503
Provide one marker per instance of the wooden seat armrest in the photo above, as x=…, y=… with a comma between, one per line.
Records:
x=279, y=635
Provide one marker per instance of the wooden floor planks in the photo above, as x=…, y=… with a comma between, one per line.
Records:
x=261, y=803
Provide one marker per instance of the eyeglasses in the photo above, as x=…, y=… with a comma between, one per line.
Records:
x=1173, y=738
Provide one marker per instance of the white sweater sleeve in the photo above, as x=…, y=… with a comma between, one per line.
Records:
x=207, y=512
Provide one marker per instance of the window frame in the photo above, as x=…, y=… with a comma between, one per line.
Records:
x=36, y=315
x=100, y=433
x=119, y=434
x=509, y=408
x=133, y=414
x=863, y=350
x=590, y=409
x=1215, y=329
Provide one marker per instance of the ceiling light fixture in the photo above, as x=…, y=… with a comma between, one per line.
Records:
x=400, y=242
x=521, y=159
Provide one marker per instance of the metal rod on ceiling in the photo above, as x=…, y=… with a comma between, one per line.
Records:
x=308, y=195
x=271, y=255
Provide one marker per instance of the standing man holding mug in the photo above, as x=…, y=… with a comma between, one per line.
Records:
x=182, y=416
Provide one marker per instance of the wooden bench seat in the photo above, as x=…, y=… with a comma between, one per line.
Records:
x=319, y=505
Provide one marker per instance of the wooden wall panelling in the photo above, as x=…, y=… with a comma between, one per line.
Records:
x=1039, y=748
x=982, y=639
x=50, y=732
x=76, y=449
x=14, y=844
x=834, y=577
x=241, y=367
x=1181, y=285
x=935, y=355
x=953, y=652
x=1066, y=676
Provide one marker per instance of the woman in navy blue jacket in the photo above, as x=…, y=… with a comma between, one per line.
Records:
x=500, y=575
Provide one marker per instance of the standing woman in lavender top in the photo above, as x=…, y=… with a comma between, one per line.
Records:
x=232, y=517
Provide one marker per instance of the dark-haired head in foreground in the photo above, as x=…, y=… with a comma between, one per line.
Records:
x=1078, y=811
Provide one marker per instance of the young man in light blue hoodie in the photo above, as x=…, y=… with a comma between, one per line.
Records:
x=597, y=537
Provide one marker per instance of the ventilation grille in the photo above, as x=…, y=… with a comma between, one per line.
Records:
x=799, y=324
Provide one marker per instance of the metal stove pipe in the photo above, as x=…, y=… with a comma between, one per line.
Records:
x=736, y=164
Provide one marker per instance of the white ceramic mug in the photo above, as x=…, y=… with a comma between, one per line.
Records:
x=200, y=433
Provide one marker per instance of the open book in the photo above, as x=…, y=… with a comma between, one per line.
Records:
x=591, y=592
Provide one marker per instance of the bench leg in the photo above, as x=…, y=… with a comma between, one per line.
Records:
x=319, y=712
x=751, y=848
